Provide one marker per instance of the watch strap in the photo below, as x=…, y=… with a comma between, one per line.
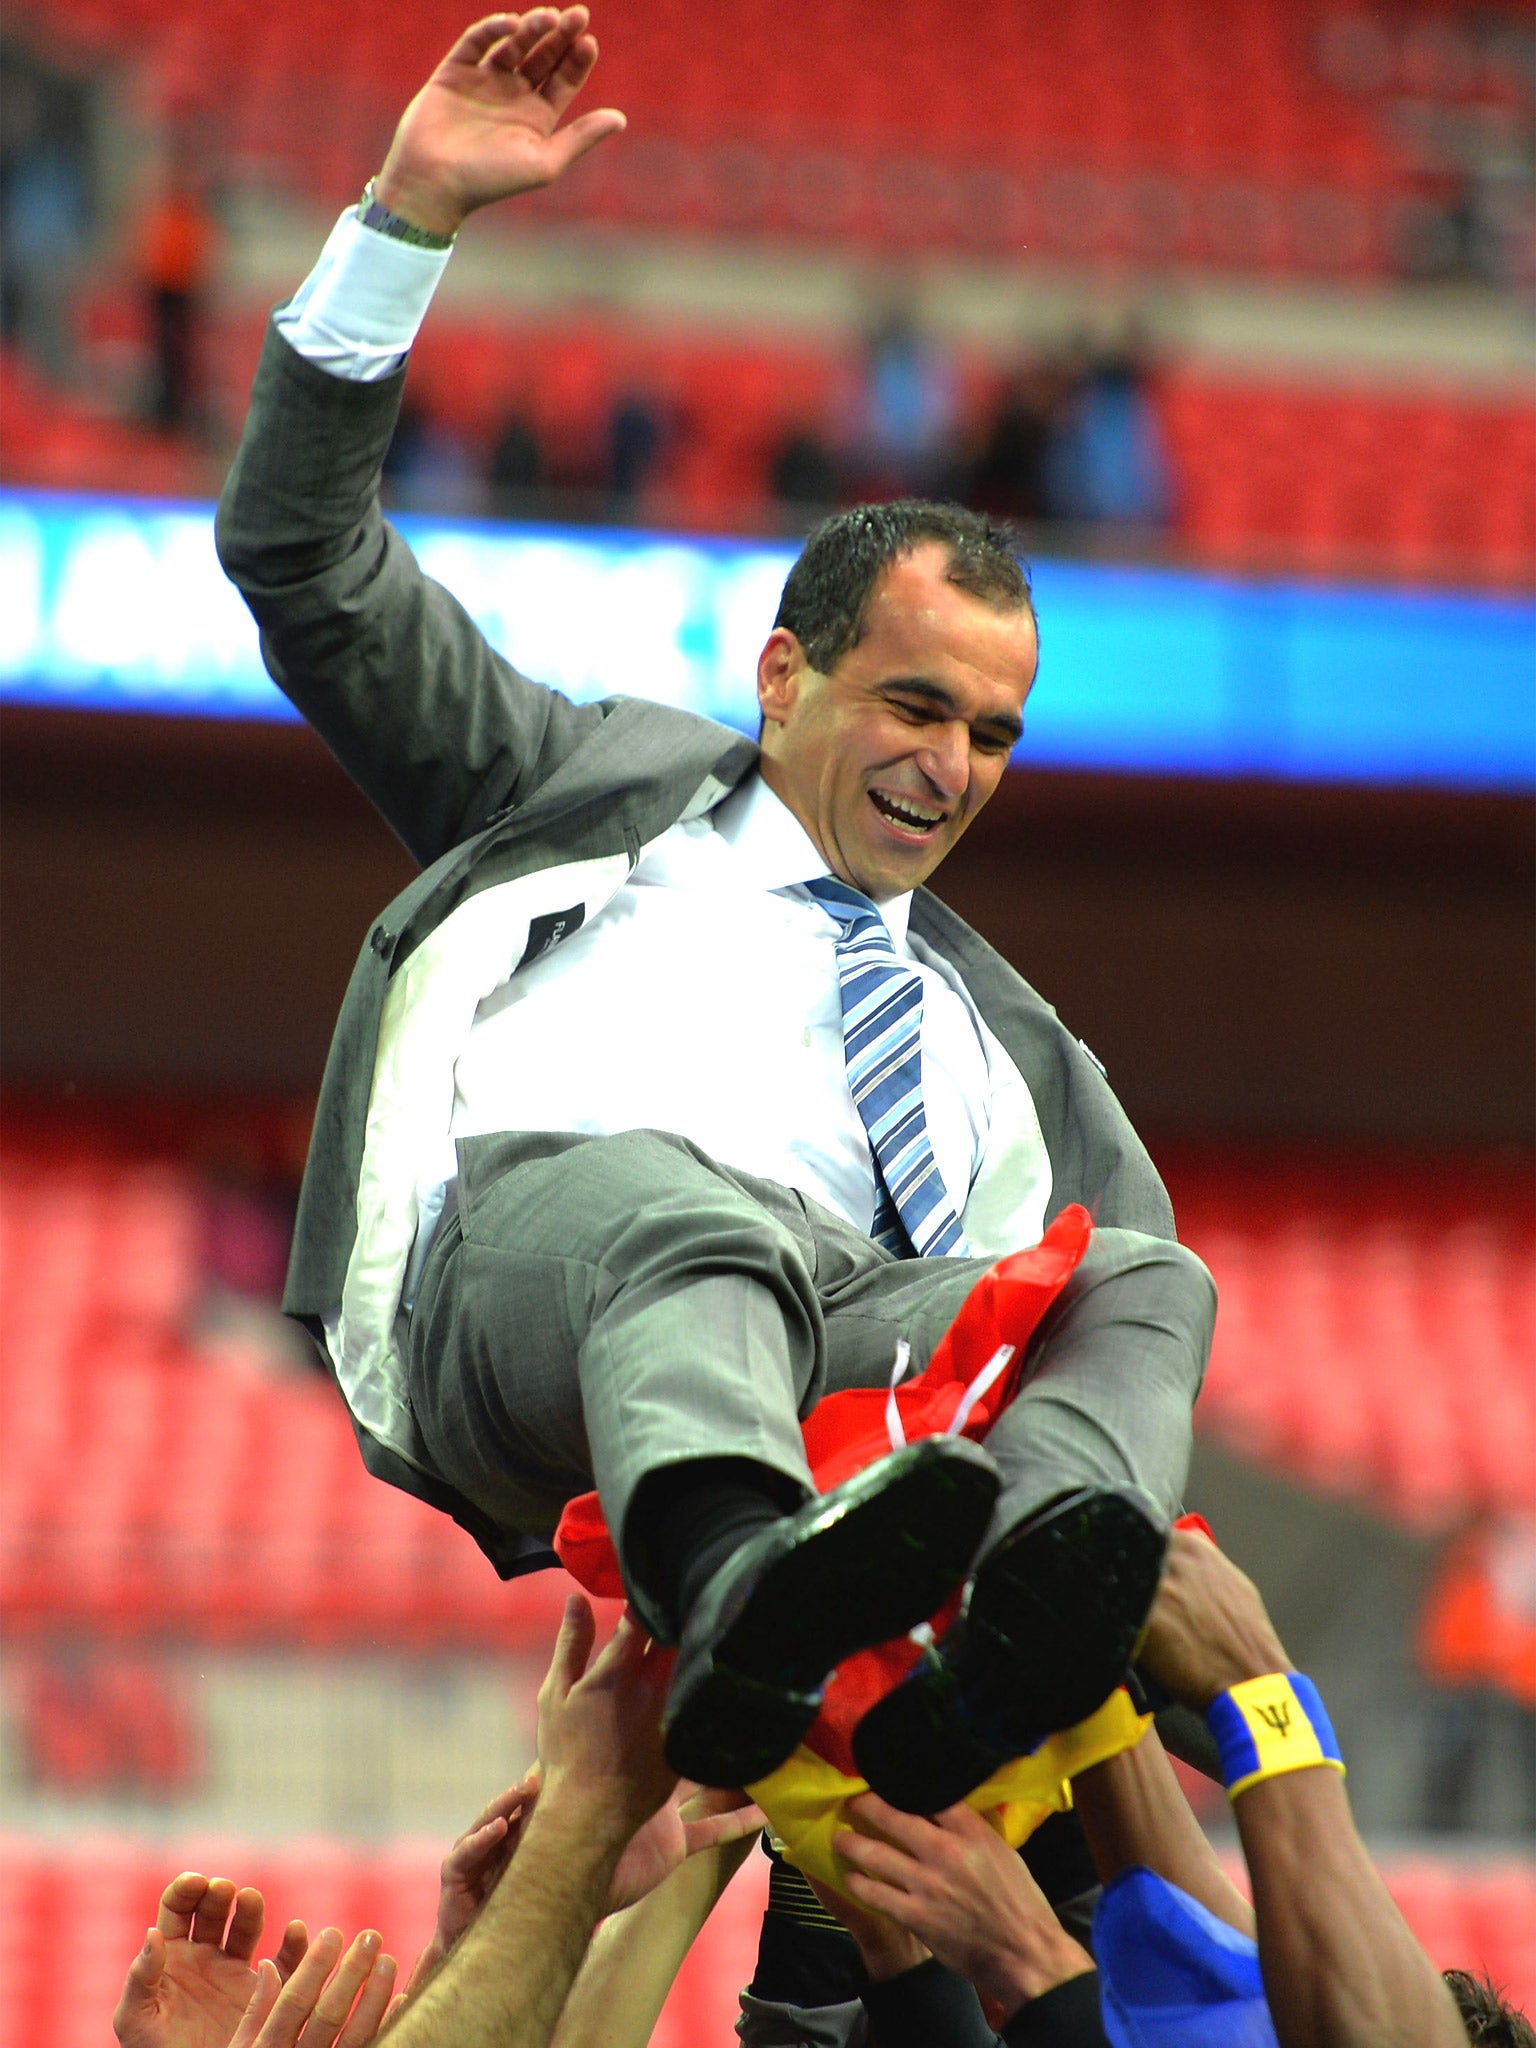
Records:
x=373, y=213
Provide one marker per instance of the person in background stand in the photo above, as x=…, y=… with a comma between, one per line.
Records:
x=637, y=435
x=46, y=211
x=1107, y=464
x=1008, y=474
x=908, y=412
x=803, y=479
x=178, y=247
x=516, y=472
x=1476, y=1640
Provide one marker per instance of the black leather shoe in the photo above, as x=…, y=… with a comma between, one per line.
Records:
x=850, y=1568
x=1044, y=1637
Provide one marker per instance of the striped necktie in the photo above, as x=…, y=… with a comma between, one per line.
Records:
x=883, y=1046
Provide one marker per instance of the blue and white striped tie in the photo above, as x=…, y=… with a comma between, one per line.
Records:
x=883, y=1046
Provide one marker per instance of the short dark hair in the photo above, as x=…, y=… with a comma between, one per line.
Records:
x=826, y=594
x=1490, y=2021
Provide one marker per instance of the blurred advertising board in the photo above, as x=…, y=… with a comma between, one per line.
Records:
x=120, y=604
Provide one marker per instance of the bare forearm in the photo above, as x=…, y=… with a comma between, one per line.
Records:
x=636, y=1955
x=504, y=1984
x=1341, y=1967
x=1134, y=1813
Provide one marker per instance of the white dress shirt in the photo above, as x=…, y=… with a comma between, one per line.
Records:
x=704, y=997
x=359, y=309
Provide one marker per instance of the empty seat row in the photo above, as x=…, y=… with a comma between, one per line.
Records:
x=1356, y=480
x=324, y=1881
x=1377, y=1329
x=1468, y=1914
x=174, y=1496
x=1376, y=1337
x=1278, y=104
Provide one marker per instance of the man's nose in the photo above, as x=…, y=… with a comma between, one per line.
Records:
x=945, y=758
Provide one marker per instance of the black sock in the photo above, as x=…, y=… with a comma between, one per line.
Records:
x=698, y=1514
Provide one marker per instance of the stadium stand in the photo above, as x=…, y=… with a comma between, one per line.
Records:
x=1377, y=1327
x=1303, y=144
x=140, y=1487
x=173, y=1484
x=1301, y=139
x=1483, y=1918
x=1377, y=1332
x=58, y=442
x=63, y=2000
x=1424, y=484
x=159, y=1487
x=1346, y=481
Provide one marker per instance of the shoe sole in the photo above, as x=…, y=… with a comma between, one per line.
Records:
x=1046, y=1636
x=881, y=1563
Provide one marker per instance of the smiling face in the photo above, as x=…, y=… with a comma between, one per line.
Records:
x=887, y=759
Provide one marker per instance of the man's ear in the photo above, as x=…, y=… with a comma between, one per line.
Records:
x=780, y=667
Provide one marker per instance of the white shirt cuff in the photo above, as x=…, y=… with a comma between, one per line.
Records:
x=359, y=309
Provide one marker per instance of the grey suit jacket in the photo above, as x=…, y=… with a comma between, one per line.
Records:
x=527, y=812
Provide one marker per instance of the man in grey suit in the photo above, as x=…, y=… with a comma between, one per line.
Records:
x=666, y=1100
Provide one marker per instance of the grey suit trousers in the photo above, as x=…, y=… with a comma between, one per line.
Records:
x=601, y=1308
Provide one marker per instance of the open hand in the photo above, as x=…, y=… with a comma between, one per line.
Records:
x=486, y=124
x=190, y=1984
x=600, y=1727
x=471, y=1869
x=330, y=2001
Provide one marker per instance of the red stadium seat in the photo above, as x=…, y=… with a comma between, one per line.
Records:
x=1482, y=1919
x=1271, y=150
x=1355, y=482
x=1345, y=482
x=1479, y=1915
x=1377, y=1337
x=321, y=1880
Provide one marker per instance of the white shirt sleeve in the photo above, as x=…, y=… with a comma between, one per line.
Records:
x=359, y=309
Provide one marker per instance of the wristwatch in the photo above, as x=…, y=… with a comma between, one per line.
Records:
x=373, y=213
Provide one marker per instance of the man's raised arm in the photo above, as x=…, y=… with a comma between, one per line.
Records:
x=1341, y=1968
x=437, y=728
x=505, y=1982
x=485, y=126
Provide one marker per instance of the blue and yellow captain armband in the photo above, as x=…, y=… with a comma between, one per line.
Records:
x=1266, y=1726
